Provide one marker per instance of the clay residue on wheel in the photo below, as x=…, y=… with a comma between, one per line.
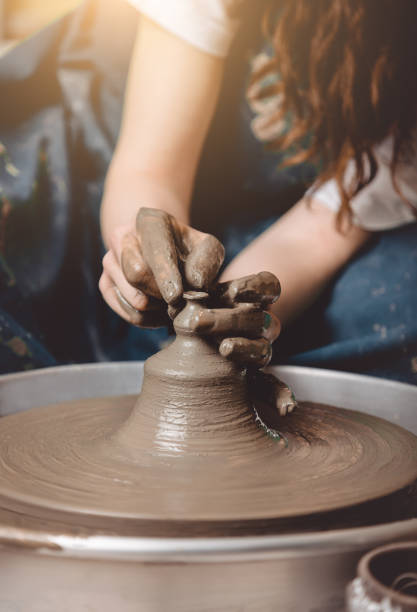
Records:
x=187, y=457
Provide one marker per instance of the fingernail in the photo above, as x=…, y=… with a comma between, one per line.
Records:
x=283, y=410
x=171, y=292
x=198, y=282
x=267, y=321
x=226, y=348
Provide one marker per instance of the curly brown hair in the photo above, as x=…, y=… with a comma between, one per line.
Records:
x=347, y=79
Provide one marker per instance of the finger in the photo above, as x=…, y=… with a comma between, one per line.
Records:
x=159, y=251
x=272, y=327
x=255, y=353
x=244, y=320
x=135, y=268
x=263, y=288
x=135, y=297
x=147, y=319
x=106, y=287
x=121, y=307
x=204, y=262
x=173, y=311
x=273, y=391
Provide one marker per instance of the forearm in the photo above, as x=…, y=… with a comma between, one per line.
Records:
x=170, y=99
x=304, y=250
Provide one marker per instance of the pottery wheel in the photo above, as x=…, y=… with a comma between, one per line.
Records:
x=62, y=459
x=189, y=456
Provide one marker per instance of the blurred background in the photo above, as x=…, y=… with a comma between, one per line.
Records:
x=21, y=18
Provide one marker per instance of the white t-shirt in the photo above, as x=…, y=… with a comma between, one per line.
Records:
x=210, y=25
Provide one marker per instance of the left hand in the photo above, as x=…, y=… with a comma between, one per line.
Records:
x=240, y=320
x=245, y=331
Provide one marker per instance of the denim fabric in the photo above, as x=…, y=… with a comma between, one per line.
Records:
x=366, y=319
x=59, y=118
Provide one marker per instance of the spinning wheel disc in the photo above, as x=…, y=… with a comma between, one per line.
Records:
x=66, y=461
x=188, y=457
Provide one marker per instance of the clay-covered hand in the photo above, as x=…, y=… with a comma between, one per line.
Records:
x=239, y=319
x=251, y=330
x=245, y=331
x=146, y=269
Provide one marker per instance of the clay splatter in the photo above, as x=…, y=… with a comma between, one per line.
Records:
x=8, y=164
x=18, y=346
x=378, y=291
x=381, y=329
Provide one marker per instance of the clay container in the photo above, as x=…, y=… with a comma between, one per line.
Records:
x=386, y=580
x=194, y=402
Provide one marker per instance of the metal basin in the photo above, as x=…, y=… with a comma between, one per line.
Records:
x=44, y=571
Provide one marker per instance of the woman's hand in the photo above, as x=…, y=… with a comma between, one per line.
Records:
x=147, y=269
x=146, y=272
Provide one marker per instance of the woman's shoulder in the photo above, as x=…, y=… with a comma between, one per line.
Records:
x=208, y=25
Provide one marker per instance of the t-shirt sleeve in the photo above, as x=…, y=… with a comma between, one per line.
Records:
x=209, y=25
x=378, y=206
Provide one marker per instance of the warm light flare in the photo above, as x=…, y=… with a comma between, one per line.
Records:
x=22, y=18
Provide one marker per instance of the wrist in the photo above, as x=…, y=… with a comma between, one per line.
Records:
x=126, y=191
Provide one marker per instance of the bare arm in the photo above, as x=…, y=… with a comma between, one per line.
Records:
x=171, y=96
x=304, y=250
x=170, y=99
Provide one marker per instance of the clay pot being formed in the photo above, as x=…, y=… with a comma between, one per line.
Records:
x=194, y=403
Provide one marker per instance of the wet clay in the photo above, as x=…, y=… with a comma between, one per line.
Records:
x=189, y=456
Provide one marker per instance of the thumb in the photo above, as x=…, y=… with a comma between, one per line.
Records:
x=203, y=263
x=159, y=251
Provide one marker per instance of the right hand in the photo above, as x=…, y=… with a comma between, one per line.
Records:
x=146, y=269
x=145, y=274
